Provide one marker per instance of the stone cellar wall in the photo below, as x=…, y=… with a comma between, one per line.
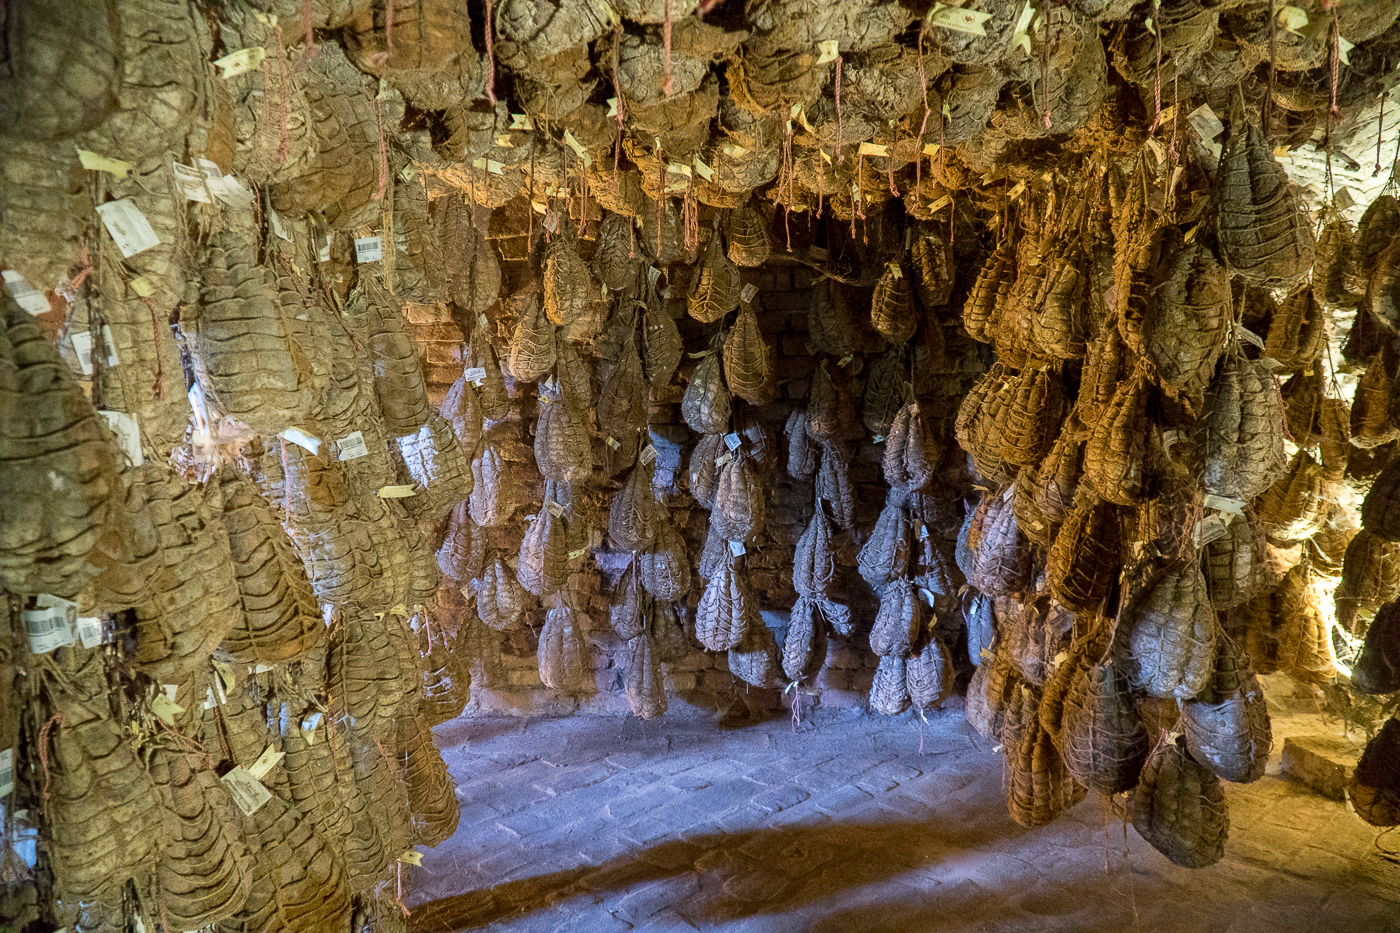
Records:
x=505, y=670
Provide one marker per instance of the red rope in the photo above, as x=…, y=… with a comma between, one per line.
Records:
x=490, y=58
x=285, y=145
x=61, y=718
x=617, y=96
x=158, y=390
x=1157, y=75
x=309, y=52
x=1045, y=69
x=388, y=28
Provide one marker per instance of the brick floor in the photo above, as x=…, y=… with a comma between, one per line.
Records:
x=596, y=823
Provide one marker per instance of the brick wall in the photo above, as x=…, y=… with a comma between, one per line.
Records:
x=505, y=675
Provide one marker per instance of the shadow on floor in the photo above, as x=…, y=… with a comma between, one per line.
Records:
x=730, y=877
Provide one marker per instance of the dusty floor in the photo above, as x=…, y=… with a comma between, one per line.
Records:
x=601, y=824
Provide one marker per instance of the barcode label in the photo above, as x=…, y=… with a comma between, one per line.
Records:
x=130, y=229
x=648, y=455
x=7, y=772
x=51, y=625
x=352, y=446
x=247, y=791
x=476, y=375
x=749, y=291
x=732, y=441
x=90, y=631
x=82, y=346
x=25, y=295
x=191, y=182
x=368, y=249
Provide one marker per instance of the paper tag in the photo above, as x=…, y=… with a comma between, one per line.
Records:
x=927, y=595
x=1249, y=336
x=575, y=555
x=723, y=458
x=701, y=169
x=412, y=858
x=748, y=293
x=1293, y=19
x=873, y=149
x=896, y=272
x=878, y=439
x=166, y=709
x=52, y=625
x=368, y=249
x=309, y=726
x=247, y=791
x=577, y=147
x=678, y=168
x=123, y=425
x=240, y=62
x=191, y=182
x=308, y=442
x=554, y=508
x=732, y=441
x=82, y=346
x=647, y=455
x=958, y=20
x=261, y=768
x=476, y=375
x=100, y=163
x=733, y=150
x=1211, y=528
x=352, y=446
x=324, y=253
x=828, y=51
x=653, y=275
x=931, y=149
x=277, y=228
x=7, y=772
x=521, y=121
x=1224, y=504
x=231, y=192
x=491, y=165
x=614, y=443
x=130, y=229
x=1206, y=124
x=737, y=548
x=25, y=295
x=90, y=631
x=595, y=537
x=923, y=532
x=397, y=492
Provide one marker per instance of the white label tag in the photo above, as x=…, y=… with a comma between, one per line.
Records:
x=923, y=532
x=166, y=708
x=309, y=726
x=927, y=594
x=412, y=858
x=575, y=555
x=324, y=253
x=476, y=375
x=240, y=62
x=7, y=772
x=52, y=625
x=554, y=508
x=82, y=346
x=248, y=792
x=701, y=169
x=25, y=295
x=595, y=537
x=614, y=443
x=277, y=227
x=307, y=442
x=261, y=768
x=1224, y=504
x=368, y=249
x=653, y=275
x=130, y=229
x=1211, y=528
x=231, y=192
x=648, y=454
x=1206, y=124
x=958, y=20
x=748, y=293
x=215, y=178
x=737, y=548
x=828, y=51
x=352, y=446
x=191, y=182
x=873, y=149
x=520, y=121
x=732, y=441
x=124, y=426
x=396, y=492
x=577, y=147
x=90, y=631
